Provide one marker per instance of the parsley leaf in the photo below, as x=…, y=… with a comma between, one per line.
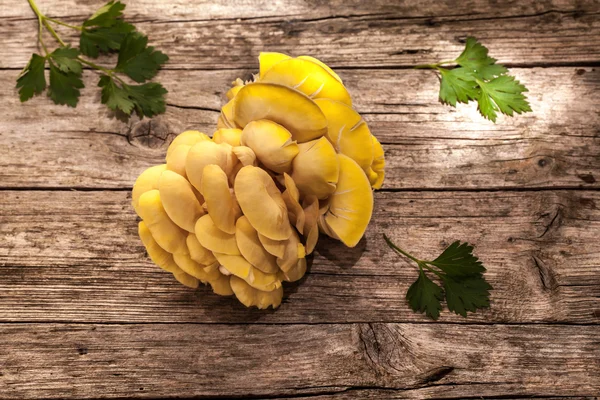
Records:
x=457, y=85
x=64, y=86
x=137, y=60
x=103, y=39
x=461, y=272
x=147, y=99
x=504, y=93
x=106, y=15
x=65, y=59
x=424, y=295
x=475, y=58
x=32, y=80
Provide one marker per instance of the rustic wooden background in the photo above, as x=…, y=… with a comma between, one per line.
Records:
x=84, y=313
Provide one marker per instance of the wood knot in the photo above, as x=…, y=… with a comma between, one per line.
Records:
x=151, y=133
x=547, y=276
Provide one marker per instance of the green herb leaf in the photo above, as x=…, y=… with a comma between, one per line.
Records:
x=106, y=15
x=424, y=295
x=461, y=273
x=147, y=99
x=104, y=39
x=137, y=60
x=64, y=86
x=457, y=84
x=65, y=59
x=32, y=80
x=504, y=93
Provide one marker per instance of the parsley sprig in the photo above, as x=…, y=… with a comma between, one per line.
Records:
x=103, y=32
x=477, y=77
x=461, y=274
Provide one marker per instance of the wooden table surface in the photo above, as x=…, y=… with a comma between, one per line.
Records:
x=85, y=314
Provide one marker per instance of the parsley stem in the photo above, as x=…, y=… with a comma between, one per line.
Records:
x=40, y=17
x=53, y=32
x=79, y=28
x=434, y=66
x=107, y=71
x=399, y=250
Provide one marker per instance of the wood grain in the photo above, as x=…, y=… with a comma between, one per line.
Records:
x=427, y=144
x=405, y=360
x=75, y=256
x=343, y=34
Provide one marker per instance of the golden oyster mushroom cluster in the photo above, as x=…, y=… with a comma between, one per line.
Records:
x=240, y=211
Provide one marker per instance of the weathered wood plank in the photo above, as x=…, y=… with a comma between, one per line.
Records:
x=409, y=360
x=428, y=145
x=75, y=256
x=345, y=34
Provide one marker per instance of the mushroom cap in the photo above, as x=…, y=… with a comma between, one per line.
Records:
x=311, y=227
x=273, y=247
x=186, y=280
x=267, y=59
x=227, y=114
x=291, y=197
x=199, y=253
x=240, y=267
x=283, y=105
x=315, y=169
x=214, y=239
x=292, y=252
x=221, y=286
x=272, y=144
x=309, y=78
x=322, y=64
x=189, y=138
x=261, y=203
x=176, y=159
x=220, y=203
x=194, y=269
x=245, y=155
x=157, y=254
x=148, y=180
x=206, y=153
x=167, y=234
x=251, y=248
x=296, y=272
x=378, y=166
x=348, y=132
x=231, y=136
x=250, y=296
x=350, y=206
x=179, y=200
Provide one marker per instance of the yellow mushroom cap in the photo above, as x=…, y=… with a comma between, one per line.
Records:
x=309, y=78
x=322, y=64
x=291, y=197
x=214, y=239
x=274, y=247
x=311, y=217
x=157, y=254
x=261, y=203
x=220, y=203
x=189, y=138
x=267, y=59
x=272, y=144
x=227, y=114
x=251, y=248
x=296, y=272
x=199, y=253
x=348, y=132
x=378, y=166
x=206, y=153
x=231, y=136
x=176, y=159
x=245, y=155
x=315, y=169
x=250, y=296
x=148, y=180
x=236, y=86
x=167, y=234
x=350, y=206
x=186, y=280
x=240, y=267
x=221, y=285
x=179, y=200
x=283, y=105
x=194, y=269
x=293, y=251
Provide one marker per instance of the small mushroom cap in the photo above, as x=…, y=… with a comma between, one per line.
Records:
x=189, y=138
x=378, y=166
x=315, y=169
x=235, y=88
x=227, y=113
x=309, y=78
x=221, y=286
x=273, y=247
x=241, y=268
x=296, y=272
x=250, y=296
x=148, y=180
x=231, y=136
x=157, y=254
x=350, y=206
x=291, y=197
x=167, y=234
x=272, y=144
x=311, y=227
x=348, y=132
x=220, y=203
x=245, y=155
x=176, y=159
x=251, y=248
x=199, y=253
x=186, y=280
x=293, y=251
x=283, y=105
x=214, y=239
x=179, y=200
x=322, y=64
x=261, y=203
x=267, y=59
x=206, y=153
x=194, y=269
